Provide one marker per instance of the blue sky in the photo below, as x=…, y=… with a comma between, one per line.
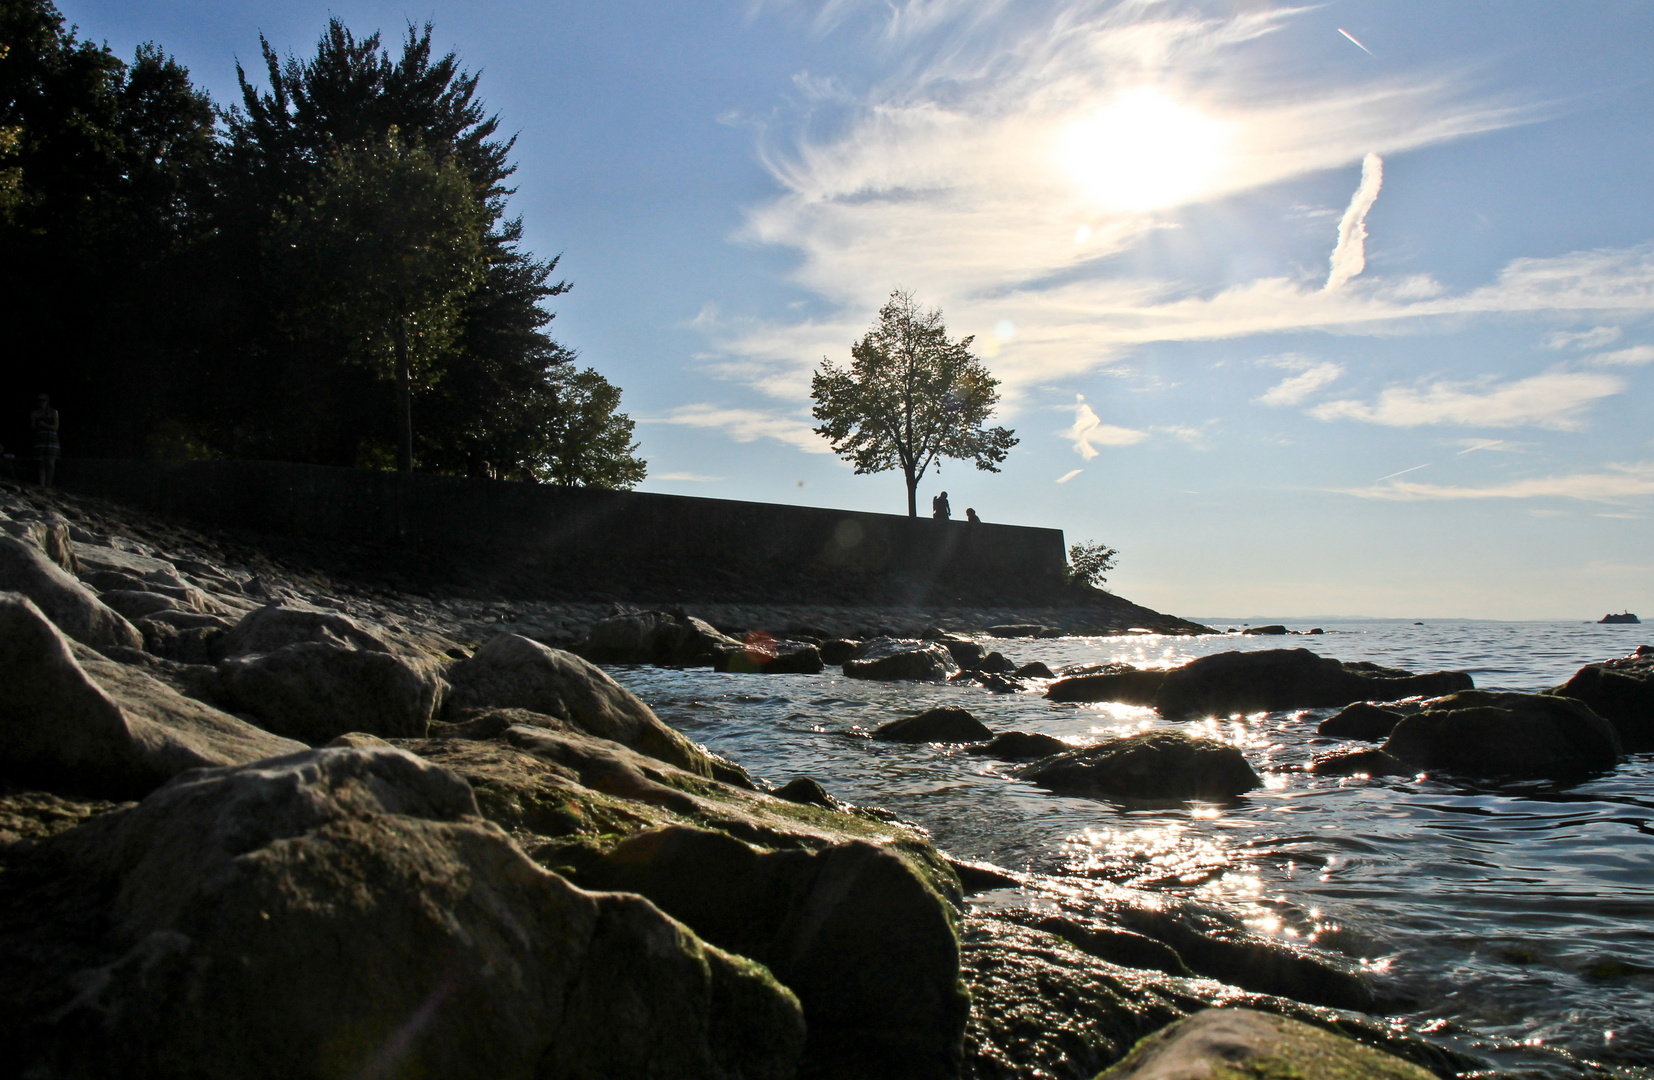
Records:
x=1302, y=327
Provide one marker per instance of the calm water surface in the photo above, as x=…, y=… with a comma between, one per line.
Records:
x=1521, y=913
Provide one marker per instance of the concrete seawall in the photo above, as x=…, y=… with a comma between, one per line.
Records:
x=548, y=524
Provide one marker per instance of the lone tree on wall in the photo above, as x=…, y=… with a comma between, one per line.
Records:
x=909, y=398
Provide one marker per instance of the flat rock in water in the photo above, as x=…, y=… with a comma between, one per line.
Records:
x=1021, y=746
x=655, y=637
x=241, y=922
x=1362, y=720
x=71, y=721
x=1240, y=1042
x=761, y=654
x=901, y=660
x=1364, y=762
x=935, y=725
x=1509, y=736
x=1622, y=692
x=25, y=569
x=1256, y=681
x=1155, y=765
x=1272, y=630
x=1016, y=630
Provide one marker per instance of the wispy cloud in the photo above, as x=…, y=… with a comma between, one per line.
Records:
x=1088, y=432
x=1594, y=338
x=746, y=425
x=1067, y=476
x=1635, y=355
x=1296, y=389
x=1349, y=255
x=1554, y=399
x=1615, y=483
x=688, y=477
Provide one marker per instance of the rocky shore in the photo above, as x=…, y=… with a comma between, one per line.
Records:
x=264, y=816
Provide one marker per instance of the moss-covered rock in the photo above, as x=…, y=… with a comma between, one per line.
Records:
x=1508, y=736
x=1240, y=1044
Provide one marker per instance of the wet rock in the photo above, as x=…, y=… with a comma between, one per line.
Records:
x=867, y=946
x=66, y=602
x=761, y=654
x=1116, y=945
x=1516, y=736
x=1620, y=691
x=935, y=726
x=1034, y=670
x=1016, y=630
x=655, y=637
x=965, y=652
x=82, y=724
x=978, y=877
x=995, y=663
x=1116, y=682
x=1273, y=629
x=1222, y=1042
x=992, y=681
x=1362, y=720
x=838, y=650
x=807, y=792
x=897, y=659
x=1255, y=681
x=1366, y=762
x=1021, y=746
x=510, y=671
x=305, y=916
x=1155, y=765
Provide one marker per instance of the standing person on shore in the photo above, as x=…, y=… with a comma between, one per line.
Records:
x=939, y=508
x=44, y=420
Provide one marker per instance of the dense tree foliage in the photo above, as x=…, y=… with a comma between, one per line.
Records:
x=1090, y=563
x=909, y=398
x=324, y=272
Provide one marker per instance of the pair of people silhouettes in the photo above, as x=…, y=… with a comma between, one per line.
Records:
x=941, y=511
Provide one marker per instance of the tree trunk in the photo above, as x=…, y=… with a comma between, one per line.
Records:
x=404, y=395
x=912, y=493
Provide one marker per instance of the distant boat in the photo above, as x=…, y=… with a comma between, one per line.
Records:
x=1622, y=617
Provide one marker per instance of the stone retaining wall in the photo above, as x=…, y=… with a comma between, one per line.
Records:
x=588, y=525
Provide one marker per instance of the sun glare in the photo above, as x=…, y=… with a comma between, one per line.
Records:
x=1144, y=151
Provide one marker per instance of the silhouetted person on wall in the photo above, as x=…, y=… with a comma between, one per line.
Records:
x=970, y=516
x=939, y=508
x=44, y=421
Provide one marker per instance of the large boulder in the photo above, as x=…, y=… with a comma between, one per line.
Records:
x=1256, y=681
x=870, y=950
x=276, y=626
x=761, y=654
x=1622, y=692
x=345, y=912
x=935, y=725
x=313, y=691
x=92, y=726
x=898, y=659
x=512, y=672
x=1511, y=736
x=1021, y=746
x=1362, y=720
x=25, y=569
x=1155, y=766
x=1240, y=1042
x=655, y=637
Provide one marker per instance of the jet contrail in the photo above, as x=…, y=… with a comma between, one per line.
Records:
x=1403, y=472
x=1354, y=42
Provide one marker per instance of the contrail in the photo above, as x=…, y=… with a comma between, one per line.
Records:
x=1354, y=42
x=1349, y=255
x=1403, y=472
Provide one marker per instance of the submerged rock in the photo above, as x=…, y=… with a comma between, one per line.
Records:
x=1155, y=765
x=70, y=606
x=1514, y=736
x=898, y=659
x=1365, y=762
x=1362, y=720
x=1021, y=746
x=347, y=912
x=1622, y=692
x=935, y=725
x=1254, y=681
x=75, y=722
x=1241, y=1042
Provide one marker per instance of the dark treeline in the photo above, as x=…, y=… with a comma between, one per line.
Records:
x=323, y=272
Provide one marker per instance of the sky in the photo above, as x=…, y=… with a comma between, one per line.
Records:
x=1326, y=310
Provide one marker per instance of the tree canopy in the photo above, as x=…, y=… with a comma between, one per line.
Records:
x=910, y=397
x=190, y=280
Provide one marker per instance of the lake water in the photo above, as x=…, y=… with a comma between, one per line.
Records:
x=1521, y=913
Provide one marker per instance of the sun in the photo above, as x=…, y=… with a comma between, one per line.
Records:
x=1144, y=151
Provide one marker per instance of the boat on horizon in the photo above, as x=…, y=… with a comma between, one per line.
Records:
x=1622, y=617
